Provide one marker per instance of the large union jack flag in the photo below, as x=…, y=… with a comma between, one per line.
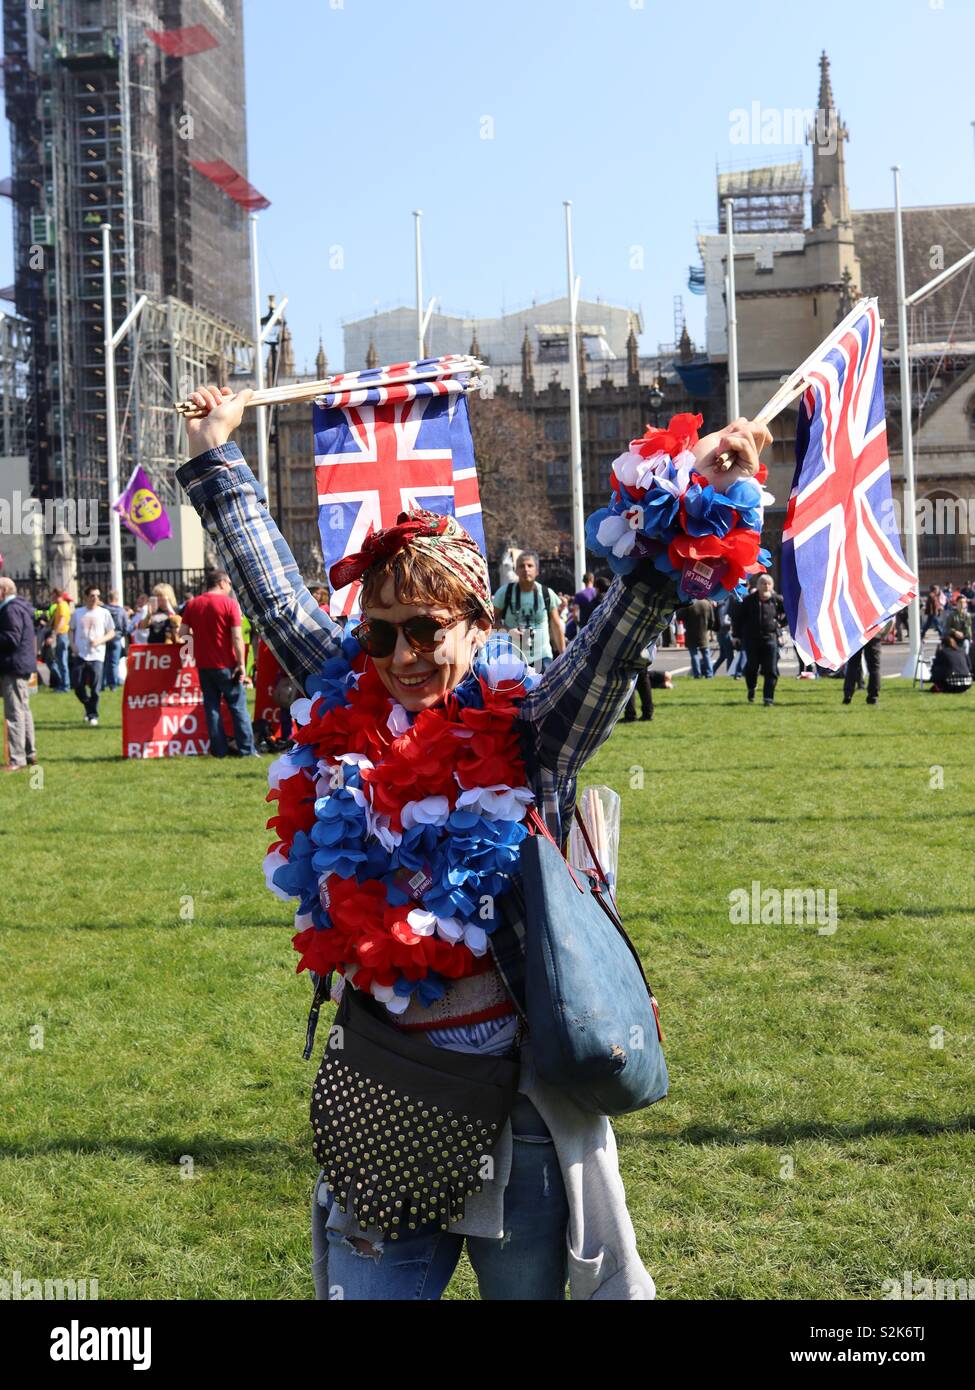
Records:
x=843, y=571
x=380, y=447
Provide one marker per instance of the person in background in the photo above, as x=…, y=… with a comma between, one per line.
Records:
x=162, y=621
x=959, y=619
x=60, y=620
x=870, y=654
x=951, y=673
x=756, y=624
x=700, y=620
x=533, y=609
x=646, y=682
x=933, y=606
x=18, y=662
x=586, y=598
x=214, y=620
x=573, y=622
x=727, y=654
x=91, y=631
x=113, y=650
x=138, y=621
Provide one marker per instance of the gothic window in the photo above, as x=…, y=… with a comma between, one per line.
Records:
x=608, y=425
x=556, y=428
x=970, y=412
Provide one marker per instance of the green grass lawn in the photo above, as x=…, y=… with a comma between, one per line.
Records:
x=159, y=1141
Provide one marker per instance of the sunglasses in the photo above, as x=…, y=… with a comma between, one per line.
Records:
x=378, y=638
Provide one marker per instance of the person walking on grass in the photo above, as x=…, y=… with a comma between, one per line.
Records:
x=699, y=621
x=421, y=661
x=18, y=662
x=757, y=622
x=91, y=631
x=870, y=654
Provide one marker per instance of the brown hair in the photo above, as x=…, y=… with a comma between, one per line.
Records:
x=418, y=579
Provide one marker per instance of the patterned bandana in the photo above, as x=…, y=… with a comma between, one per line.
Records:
x=441, y=538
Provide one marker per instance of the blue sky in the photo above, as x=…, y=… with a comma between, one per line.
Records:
x=360, y=111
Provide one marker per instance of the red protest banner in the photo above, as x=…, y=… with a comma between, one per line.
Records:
x=162, y=704
x=266, y=675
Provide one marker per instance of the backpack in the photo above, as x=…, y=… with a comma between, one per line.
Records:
x=509, y=594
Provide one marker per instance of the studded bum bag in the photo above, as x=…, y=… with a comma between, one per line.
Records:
x=404, y=1130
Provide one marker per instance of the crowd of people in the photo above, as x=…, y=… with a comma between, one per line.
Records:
x=745, y=636
x=83, y=647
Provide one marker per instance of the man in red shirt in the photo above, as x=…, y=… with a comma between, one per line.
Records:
x=214, y=620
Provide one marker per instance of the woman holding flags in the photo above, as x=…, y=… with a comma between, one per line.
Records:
x=422, y=745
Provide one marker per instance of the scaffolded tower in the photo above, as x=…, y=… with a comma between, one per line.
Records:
x=106, y=100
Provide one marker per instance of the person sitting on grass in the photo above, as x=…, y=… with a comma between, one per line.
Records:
x=951, y=672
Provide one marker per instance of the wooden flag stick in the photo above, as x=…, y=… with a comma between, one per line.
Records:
x=347, y=381
x=795, y=383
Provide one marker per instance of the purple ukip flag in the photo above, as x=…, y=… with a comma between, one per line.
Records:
x=141, y=510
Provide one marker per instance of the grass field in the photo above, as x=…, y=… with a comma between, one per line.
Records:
x=158, y=1139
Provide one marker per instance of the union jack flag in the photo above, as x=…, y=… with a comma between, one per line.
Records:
x=379, y=448
x=843, y=571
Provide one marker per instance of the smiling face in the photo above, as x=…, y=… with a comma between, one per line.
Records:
x=419, y=680
x=413, y=584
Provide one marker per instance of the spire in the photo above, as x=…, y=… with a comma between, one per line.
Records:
x=826, y=101
x=685, y=348
x=527, y=370
x=286, y=365
x=632, y=357
x=827, y=135
x=321, y=361
x=372, y=356
x=475, y=347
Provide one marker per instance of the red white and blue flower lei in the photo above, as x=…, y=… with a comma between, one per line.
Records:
x=664, y=509
x=397, y=833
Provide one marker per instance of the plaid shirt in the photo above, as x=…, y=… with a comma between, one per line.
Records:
x=566, y=718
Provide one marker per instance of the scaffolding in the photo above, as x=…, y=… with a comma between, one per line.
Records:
x=770, y=198
x=15, y=393
x=97, y=113
x=178, y=348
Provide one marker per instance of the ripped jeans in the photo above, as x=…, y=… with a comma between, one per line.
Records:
x=527, y=1263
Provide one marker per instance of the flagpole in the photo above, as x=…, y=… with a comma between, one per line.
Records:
x=734, y=404
x=111, y=432
x=419, y=284
x=262, y=471
x=907, y=433
x=575, y=428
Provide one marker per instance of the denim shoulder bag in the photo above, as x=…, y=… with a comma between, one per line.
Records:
x=592, y=1016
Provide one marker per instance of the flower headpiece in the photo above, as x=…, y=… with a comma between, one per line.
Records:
x=441, y=538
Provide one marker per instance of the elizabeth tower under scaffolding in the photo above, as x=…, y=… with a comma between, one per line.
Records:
x=111, y=103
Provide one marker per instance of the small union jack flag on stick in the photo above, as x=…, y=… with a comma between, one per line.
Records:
x=385, y=438
x=843, y=571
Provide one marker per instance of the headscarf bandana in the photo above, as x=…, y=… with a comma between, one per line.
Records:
x=441, y=538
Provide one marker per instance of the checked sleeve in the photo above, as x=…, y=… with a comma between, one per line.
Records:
x=233, y=508
x=582, y=694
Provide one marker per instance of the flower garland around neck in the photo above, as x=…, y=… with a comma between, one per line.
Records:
x=396, y=832
x=663, y=508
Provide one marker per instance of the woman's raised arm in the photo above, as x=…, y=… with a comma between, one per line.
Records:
x=233, y=507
